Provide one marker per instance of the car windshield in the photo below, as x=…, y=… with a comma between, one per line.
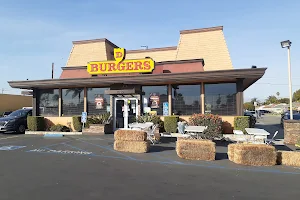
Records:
x=18, y=113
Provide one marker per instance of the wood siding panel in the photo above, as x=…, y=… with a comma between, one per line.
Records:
x=81, y=54
x=210, y=46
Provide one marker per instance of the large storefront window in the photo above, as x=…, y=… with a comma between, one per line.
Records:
x=154, y=98
x=186, y=99
x=98, y=101
x=48, y=102
x=220, y=98
x=72, y=101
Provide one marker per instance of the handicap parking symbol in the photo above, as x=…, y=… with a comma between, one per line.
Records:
x=10, y=148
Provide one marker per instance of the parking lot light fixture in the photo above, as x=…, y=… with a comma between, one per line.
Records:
x=287, y=44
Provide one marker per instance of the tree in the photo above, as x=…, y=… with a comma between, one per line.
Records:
x=76, y=92
x=277, y=93
x=296, y=96
x=284, y=100
x=271, y=99
x=249, y=106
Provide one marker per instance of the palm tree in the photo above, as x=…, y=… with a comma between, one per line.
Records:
x=76, y=92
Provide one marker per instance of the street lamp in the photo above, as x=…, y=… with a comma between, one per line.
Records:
x=287, y=44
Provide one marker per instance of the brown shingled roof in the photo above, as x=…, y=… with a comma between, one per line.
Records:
x=217, y=28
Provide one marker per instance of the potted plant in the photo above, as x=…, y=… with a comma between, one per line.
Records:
x=99, y=124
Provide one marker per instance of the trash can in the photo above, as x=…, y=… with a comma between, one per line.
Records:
x=181, y=127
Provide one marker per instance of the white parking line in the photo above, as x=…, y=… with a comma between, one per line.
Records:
x=9, y=137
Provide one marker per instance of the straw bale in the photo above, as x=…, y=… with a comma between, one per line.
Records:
x=254, y=154
x=130, y=135
x=196, y=149
x=290, y=158
x=230, y=152
x=132, y=146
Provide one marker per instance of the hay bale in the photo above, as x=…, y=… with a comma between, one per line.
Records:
x=196, y=149
x=230, y=152
x=130, y=135
x=290, y=158
x=132, y=146
x=254, y=154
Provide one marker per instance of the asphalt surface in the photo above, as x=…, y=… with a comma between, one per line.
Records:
x=87, y=167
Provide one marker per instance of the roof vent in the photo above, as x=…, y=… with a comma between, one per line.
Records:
x=253, y=67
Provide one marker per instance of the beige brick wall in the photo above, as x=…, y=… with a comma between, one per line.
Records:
x=210, y=46
x=81, y=54
x=157, y=56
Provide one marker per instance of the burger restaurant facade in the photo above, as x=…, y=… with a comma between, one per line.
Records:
x=196, y=76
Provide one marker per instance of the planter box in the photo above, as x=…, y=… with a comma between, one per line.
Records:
x=98, y=129
x=51, y=132
x=291, y=131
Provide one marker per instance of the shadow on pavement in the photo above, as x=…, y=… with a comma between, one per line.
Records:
x=283, y=148
x=221, y=156
x=156, y=148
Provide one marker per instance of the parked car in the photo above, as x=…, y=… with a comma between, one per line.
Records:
x=6, y=113
x=265, y=111
x=15, y=121
x=286, y=116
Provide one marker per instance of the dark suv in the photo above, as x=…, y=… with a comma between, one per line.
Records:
x=15, y=121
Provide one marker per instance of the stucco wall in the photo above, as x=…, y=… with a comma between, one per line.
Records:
x=10, y=102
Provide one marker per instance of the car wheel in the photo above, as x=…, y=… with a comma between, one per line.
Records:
x=21, y=129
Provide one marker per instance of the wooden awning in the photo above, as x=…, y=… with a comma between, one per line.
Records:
x=249, y=77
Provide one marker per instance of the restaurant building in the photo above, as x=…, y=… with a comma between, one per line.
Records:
x=196, y=76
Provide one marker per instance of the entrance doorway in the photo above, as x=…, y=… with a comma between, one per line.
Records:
x=125, y=112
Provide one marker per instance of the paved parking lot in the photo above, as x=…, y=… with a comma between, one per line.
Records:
x=87, y=167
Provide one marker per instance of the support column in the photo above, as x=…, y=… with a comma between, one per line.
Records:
x=35, y=102
x=239, y=97
x=85, y=100
x=111, y=103
x=60, y=103
x=170, y=98
x=202, y=99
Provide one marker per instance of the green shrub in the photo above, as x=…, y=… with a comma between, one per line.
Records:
x=59, y=128
x=241, y=122
x=77, y=123
x=36, y=123
x=298, y=143
x=98, y=119
x=170, y=123
x=252, y=121
x=151, y=118
x=213, y=123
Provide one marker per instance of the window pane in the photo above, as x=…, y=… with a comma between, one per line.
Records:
x=220, y=98
x=154, y=98
x=48, y=102
x=186, y=99
x=72, y=101
x=98, y=101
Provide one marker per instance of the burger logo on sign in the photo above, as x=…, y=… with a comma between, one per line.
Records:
x=120, y=64
x=99, y=102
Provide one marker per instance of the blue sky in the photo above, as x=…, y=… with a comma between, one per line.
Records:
x=36, y=33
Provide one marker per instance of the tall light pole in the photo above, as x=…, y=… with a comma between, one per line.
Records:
x=287, y=44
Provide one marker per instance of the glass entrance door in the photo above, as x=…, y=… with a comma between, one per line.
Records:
x=125, y=112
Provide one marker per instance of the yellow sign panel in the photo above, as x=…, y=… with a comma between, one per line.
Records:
x=119, y=65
